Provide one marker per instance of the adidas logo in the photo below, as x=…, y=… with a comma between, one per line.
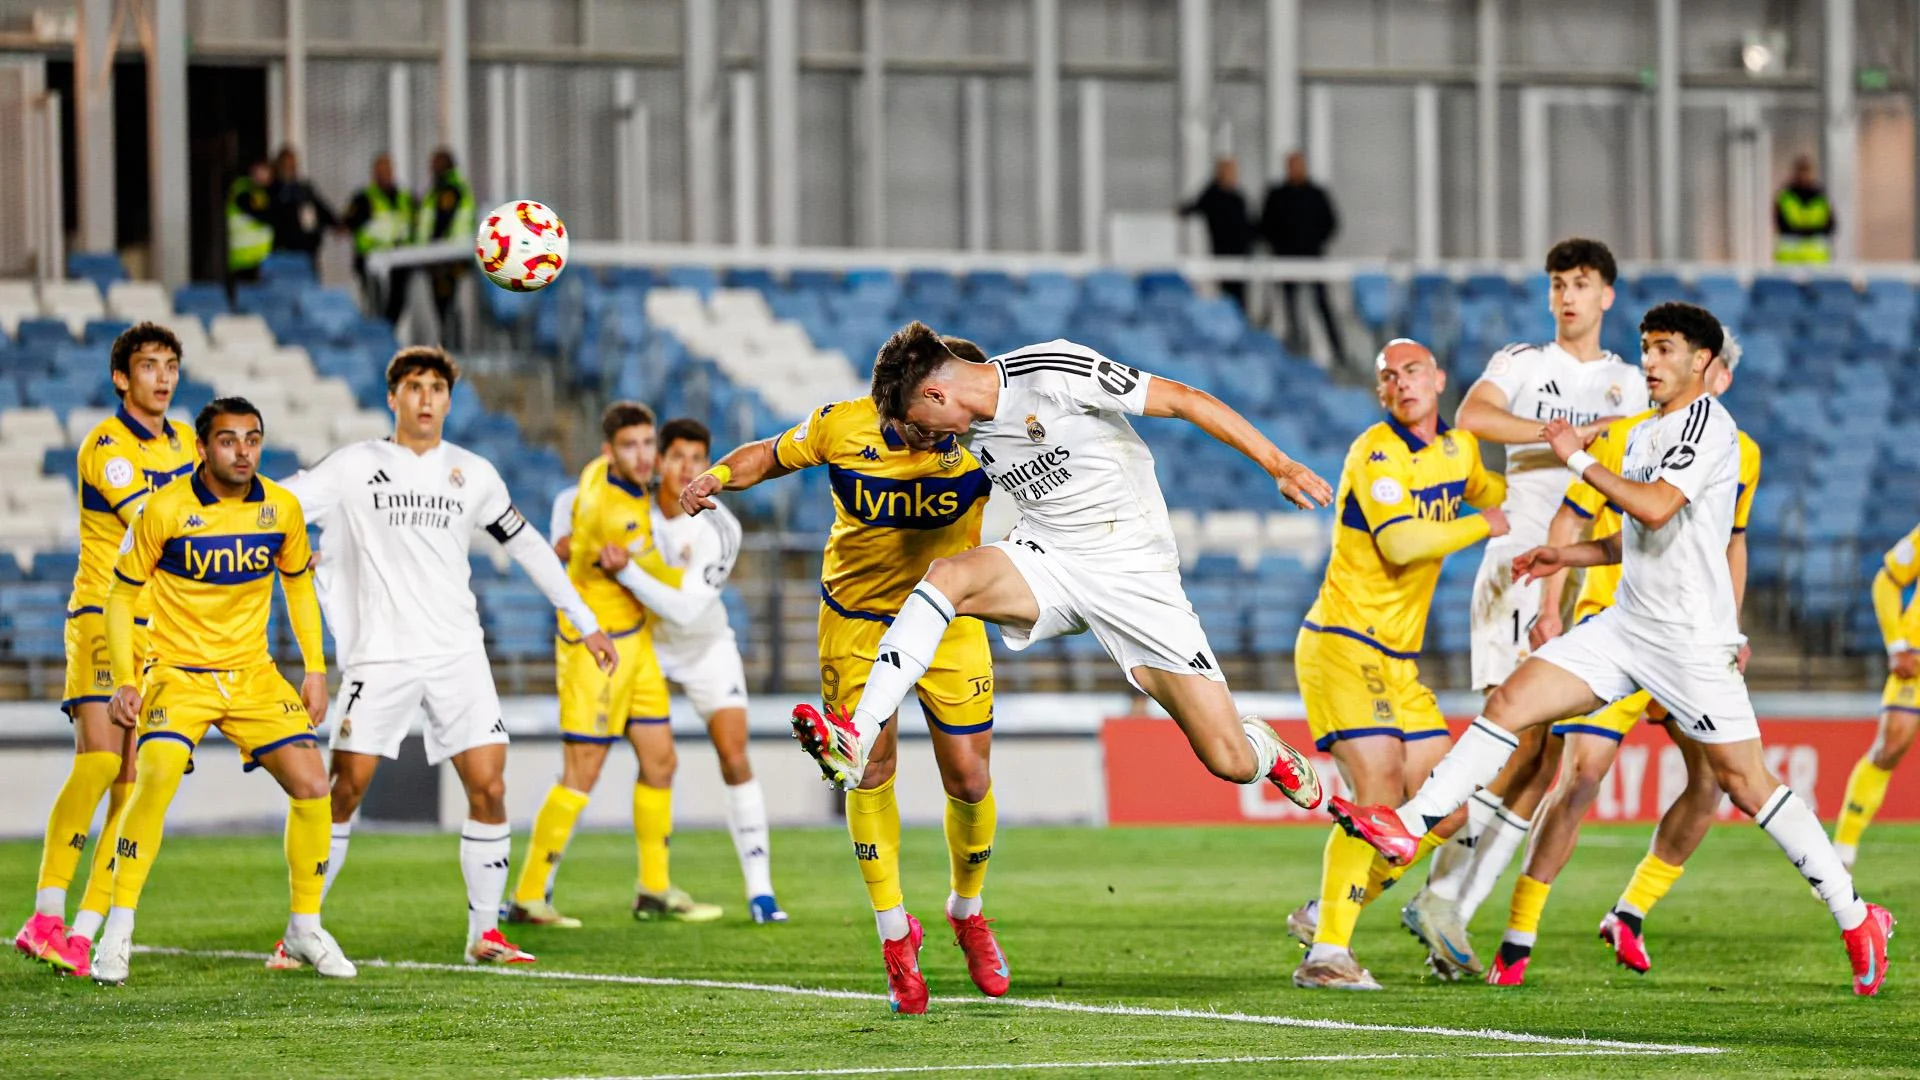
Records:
x=1200, y=662
x=889, y=656
x=379, y=477
x=1705, y=723
x=1551, y=388
x=499, y=728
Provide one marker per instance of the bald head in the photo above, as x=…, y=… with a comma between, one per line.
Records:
x=1410, y=382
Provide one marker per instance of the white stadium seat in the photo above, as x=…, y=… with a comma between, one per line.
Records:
x=80, y=421
x=31, y=428
x=241, y=331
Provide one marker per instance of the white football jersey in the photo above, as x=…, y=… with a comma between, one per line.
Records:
x=1060, y=445
x=1677, y=575
x=705, y=548
x=395, y=531
x=1545, y=382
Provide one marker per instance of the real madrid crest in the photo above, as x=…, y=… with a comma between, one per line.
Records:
x=346, y=728
x=457, y=478
x=268, y=515
x=1615, y=396
x=1035, y=430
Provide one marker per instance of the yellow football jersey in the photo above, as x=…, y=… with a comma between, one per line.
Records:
x=1903, y=566
x=1609, y=448
x=607, y=510
x=897, y=508
x=120, y=461
x=1390, y=475
x=208, y=563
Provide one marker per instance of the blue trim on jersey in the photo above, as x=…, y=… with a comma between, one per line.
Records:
x=629, y=632
x=166, y=735
x=1414, y=442
x=1416, y=736
x=1588, y=729
x=254, y=762
x=1900, y=708
x=921, y=502
x=850, y=613
x=596, y=740
x=87, y=699
x=632, y=720
x=1360, y=637
x=634, y=490
x=128, y=580
x=257, y=492
x=956, y=729
x=1325, y=741
x=87, y=610
x=1576, y=508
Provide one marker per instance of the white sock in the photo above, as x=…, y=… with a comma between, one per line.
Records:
x=336, y=854
x=484, y=852
x=302, y=924
x=119, y=922
x=1449, y=871
x=892, y=923
x=86, y=924
x=1320, y=953
x=1491, y=857
x=964, y=907
x=1471, y=765
x=1265, y=754
x=904, y=653
x=1791, y=823
x=747, y=821
x=50, y=902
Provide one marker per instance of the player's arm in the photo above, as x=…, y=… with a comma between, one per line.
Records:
x=1484, y=410
x=1537, y=563
x=1897, y=571
x=295, y=564
x=1301, y=486
x=139, y=555
x=678, y=595
x=318, y=489
x=801, y=446
x=1568, y=523
x=560, y=522
x=1652, y=503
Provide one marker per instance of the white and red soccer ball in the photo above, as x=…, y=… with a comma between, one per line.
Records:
x=521, y=246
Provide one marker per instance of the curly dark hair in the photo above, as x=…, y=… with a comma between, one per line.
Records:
x=137, y=337
x=1691, y=321
x=912, y=354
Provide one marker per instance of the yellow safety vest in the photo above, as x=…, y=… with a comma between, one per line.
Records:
x=389, y=222
x=461, y=225
x=249, y=240
x=1806, y=221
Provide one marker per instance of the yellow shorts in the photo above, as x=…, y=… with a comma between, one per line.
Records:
x=1900, y=695
x=956, y=691
x=1353, y=690
x=1614, y=721
x=256, y=709
x=89, y=668
x=596, y=707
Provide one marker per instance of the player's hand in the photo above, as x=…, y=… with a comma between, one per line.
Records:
x=1537, y=563
x=1740, y=658
x=1302, y=486
x=1564, y=438
x=613, y=558
x=313, y=694
x=694, y=497
x=1906, y=664
x=124, y=707
x=1496, y=521
x=1546, y=627
x=563, y=547
x=604, y=654
x=1594, y=429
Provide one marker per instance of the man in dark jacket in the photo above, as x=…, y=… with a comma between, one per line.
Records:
x=381, y=218
x=300, y=217
x=1229, y=227
x=1298, y=221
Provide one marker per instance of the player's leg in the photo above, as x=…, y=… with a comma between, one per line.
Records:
x=1867, y=784
x=715, y=683
x=651, y=735
x=1425, y=741
x=1372, y=767
x=374, y=711
x=1682, y=827
x=162, y=762
x=957, y=697
x=486, y=853
x=1516, y=794
x=75, y=958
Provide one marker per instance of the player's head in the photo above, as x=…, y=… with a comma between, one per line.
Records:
x=1580, y=275
x=1409, y=381
x=686, y=449
x=1720, y=372
x=627, y=427
x=230, y=431
x=964, y=349
x=1678, y=342
x=914, y=389
x=144, y=364
x=420, y=381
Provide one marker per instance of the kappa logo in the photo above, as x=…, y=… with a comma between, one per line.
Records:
x=103, y=440
x=195, y=521
x=869, y=453
x=1377, y=455
x=379, y=477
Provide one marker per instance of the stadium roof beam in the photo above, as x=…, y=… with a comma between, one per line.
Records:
x=164, y=34
x=93, y=48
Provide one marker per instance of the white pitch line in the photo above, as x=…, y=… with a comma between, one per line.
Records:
x=1263, y=1059
x=1047, y=1004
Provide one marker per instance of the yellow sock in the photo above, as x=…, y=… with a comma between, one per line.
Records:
x=1343, y=885
x=99, y=895
x=1866, y=789
x=552, y=828
x=970, y=842
x=72, y=816
x=652, y=825
x=1651, y=880
x=873, y=820
x=1529, y=902
x=162, y=762
x=309, y=837
x=1382, y=874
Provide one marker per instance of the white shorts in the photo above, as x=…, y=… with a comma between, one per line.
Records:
x=377, y=701
x=1701, y=685
x=707, y=670
x=1503, y=613
x=1141, y=617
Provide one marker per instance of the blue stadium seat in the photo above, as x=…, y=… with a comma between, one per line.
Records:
x=42, y=333
x=103, y=268
x=55, y=566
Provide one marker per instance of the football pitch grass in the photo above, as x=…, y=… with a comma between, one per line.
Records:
x=1132, y=951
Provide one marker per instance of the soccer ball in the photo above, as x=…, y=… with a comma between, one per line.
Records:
x=522, y=246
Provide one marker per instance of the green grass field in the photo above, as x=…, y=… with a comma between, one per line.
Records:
x=1171, y=921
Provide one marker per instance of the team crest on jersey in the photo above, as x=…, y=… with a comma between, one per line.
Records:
x=173, y=440
x=1448, y=446
x=156, y=718
x=457, y=478
x=119, y=472
x=346, y=728
x=268, y=517
x=1615, y=395
x=1035, y=430
x=950, y=459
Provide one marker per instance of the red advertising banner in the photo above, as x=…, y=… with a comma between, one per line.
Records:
x=1154, y=779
